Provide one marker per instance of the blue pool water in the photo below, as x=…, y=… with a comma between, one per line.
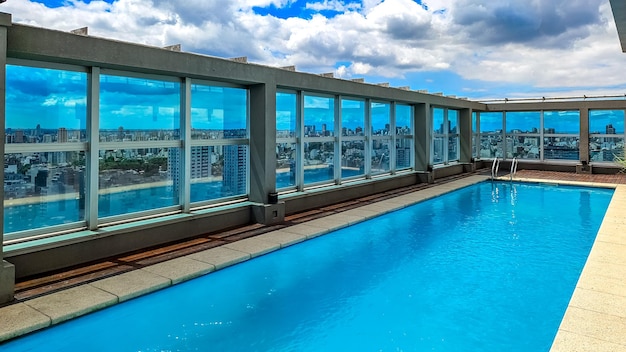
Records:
x=487, y=268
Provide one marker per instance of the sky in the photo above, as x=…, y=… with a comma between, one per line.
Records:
x=479, y=49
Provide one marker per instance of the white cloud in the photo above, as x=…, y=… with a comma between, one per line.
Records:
x=571, y=45
x=333, y=5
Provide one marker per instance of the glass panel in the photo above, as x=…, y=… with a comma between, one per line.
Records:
x=438, y=120
x=285, y=165
x=438, y=152
x=318, y=162
x=453, y=121
x=560, y=148
x=490, y=122
x=352, y=117
x=453, y=148
x=491, y=146
x=286, y=115
x=43, y=189
x=606, y=121
x=380, y=155
x=381, y=118
x=45, y=105
x=403, y=119
x=522, y=147
x=474, y=121
x=561, y=122
x=218, y=171
x=352, y=158
x=218, y=112
x=136, y=109
x=404, y=154
x=606, y=148
x=133, y=180
x=319, y=116
x=523, y=122
x=475, y=146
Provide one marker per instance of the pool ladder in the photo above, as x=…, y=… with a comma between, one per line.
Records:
x=513, y=169
x=494, y=168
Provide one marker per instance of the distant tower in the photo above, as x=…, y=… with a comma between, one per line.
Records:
x=235, y=169
x=120, y=133
x=610, y=129
x=62, y=135
x=19, y=136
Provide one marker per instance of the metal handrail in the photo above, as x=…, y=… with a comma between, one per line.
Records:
x=494, y=168
x=513, y=168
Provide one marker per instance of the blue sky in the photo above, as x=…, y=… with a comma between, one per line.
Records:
x=478, y=49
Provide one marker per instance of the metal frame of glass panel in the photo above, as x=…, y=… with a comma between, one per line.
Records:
x=204, y=144
x=403, y=138
x=604, y=147
x=442, y=139
x=520, y=142
x=58, y=148
x=288, y=137
x=92, y=148
x=311, y=138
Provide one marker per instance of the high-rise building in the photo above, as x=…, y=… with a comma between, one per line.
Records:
x=62, y=135
x=235, y=169
x=19, y=136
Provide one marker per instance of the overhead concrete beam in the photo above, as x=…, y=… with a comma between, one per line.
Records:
x=619, y=14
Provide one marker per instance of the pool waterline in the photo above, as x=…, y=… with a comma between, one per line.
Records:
x=222, y=256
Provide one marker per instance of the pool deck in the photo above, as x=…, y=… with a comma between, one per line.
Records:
x=595, y=319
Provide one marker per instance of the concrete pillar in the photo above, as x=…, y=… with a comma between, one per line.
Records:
x=262, y=156
x=7, y=270
x=584, y=134
x=465, y=135
x=423, y=140
x=583, y=146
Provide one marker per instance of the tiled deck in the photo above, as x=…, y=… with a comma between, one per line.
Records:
x=44, y=301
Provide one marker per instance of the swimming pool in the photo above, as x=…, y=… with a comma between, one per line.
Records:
x=489, y=267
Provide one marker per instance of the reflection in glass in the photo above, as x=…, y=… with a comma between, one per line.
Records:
x=43, y=189
x=352, y=158
x=285, y=164
x=523, y=147
x=404, y=154
x=523, y=122
x=319, y=116
x=352, y=117
x=565, y=148
x=474, y=121
x=438, y=152
x=606, y=121
x=217, y=172
x=561, y=122
x=403, y=119
x=137, y=109
x=453, y=148
x=606, y=148
x=318, y=162
x=132, y=180
x=218, y=112
x=438, y=118
x=381, y=118
x=286, y=115
x=491, y=145
x=453, y=121
x=45, y=105
x=381, y=149
x=490, y=122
